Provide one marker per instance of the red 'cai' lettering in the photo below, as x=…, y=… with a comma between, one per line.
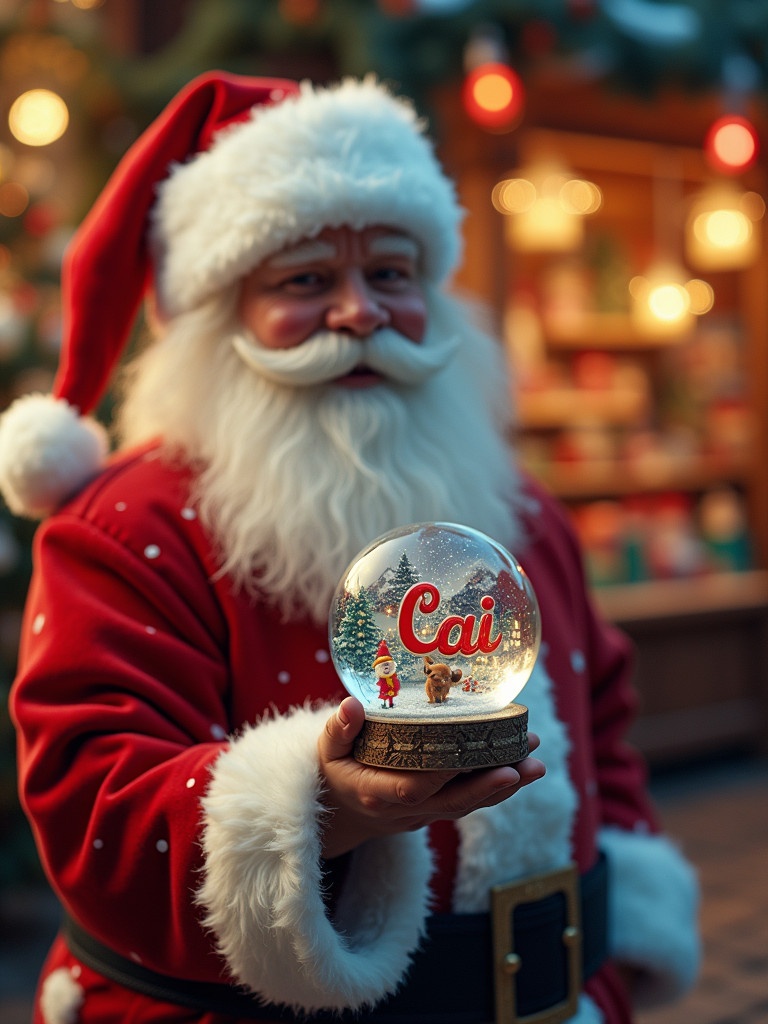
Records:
x=454, y=635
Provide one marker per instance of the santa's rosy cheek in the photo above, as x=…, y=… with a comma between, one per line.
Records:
x=281, y=324
x=409, y=317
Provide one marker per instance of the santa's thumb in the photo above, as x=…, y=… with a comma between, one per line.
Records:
x=341, y=729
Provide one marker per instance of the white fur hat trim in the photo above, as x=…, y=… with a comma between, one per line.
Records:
x=47, y=452
x=349, y=155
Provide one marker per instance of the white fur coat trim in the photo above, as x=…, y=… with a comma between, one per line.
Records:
x=653, y=910
x=61, y=998
x=263, y=878
x=531, y=832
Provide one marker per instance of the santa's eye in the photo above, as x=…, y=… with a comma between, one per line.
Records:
x=304, y=281
x=391, y=275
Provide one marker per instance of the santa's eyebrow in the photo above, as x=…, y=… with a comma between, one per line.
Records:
x=394, y=245
x=304, y=252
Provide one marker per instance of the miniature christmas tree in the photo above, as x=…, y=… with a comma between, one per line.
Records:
x=358, y=636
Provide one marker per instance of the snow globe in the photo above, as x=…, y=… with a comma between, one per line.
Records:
x=435, y=628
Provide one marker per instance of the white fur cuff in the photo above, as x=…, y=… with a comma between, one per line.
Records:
x=653, y=909
x=263, y=879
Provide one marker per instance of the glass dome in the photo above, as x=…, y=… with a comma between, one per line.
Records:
x=432, y=622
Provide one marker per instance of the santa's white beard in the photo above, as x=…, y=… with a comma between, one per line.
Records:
x=297, y=479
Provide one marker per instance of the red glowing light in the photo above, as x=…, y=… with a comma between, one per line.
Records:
x=731, y=144
x=493, y=96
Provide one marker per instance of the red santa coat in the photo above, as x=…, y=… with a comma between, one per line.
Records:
x=158, y=748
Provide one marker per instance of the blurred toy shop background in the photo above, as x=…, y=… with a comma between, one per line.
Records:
x=611, y=157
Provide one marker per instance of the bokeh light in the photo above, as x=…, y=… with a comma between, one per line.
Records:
x=669, y=302
x=731, y=144
x=493, y=96
x=580, y=196
x=724, y=229
x=665, y=301
x=38, y=117
x=14, y=199
x=720, y=229
x=546, y=205
x=701, y=295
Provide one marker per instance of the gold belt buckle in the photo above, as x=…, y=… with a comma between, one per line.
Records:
x=507, y=962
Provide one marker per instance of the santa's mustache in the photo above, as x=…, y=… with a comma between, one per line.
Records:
x=329, y=355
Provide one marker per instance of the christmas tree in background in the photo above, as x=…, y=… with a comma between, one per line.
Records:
x=402, y=580
x=55, y=99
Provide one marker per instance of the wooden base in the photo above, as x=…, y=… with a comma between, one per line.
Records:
x=461, y=743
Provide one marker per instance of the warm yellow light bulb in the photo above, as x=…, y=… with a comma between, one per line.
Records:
x=514, y=195
x=720, y=230
x=669, y=302
x=38, y=117
x=580, y=196
x=724, y=229
x=701, y=295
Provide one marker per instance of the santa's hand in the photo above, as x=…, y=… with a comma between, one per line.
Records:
x=366, y=802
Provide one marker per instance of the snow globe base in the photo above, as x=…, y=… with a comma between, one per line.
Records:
x=459, y=743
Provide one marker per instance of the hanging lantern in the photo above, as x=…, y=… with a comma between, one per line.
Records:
x=545, y=208
x=731, y=145
x=720, y=231
x=664, y=301
x=494, y=96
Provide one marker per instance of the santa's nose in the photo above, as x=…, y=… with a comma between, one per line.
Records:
x=354, y=308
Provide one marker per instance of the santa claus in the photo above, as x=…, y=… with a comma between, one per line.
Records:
x=184, y=757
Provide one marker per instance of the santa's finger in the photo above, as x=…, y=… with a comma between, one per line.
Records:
x=337, y=738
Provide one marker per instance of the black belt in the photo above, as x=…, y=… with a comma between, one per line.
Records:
x=451, y=980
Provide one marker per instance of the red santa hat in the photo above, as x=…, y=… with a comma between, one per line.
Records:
x=232, y=171
x=382, y=655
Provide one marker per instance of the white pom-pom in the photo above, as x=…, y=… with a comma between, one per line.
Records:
x=47, y=453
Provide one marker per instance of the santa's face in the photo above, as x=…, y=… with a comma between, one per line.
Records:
x=385, y=668
x=352, y=282
x=300, y=470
